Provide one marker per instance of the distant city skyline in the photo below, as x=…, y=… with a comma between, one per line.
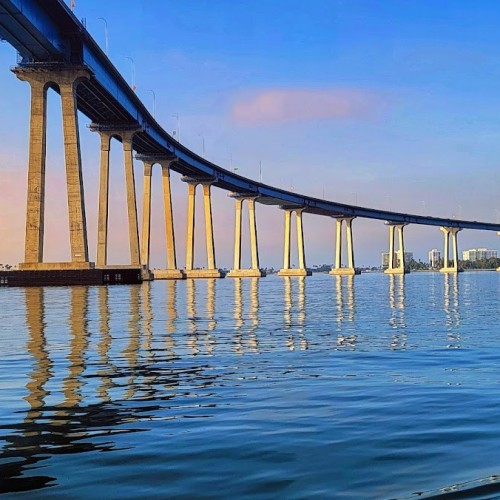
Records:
x=394, y=108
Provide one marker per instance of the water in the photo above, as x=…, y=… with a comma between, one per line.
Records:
x=372, y=387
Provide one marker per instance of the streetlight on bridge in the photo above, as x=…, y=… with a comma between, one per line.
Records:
x=154, y=102
x=106, y=43
x=132, y=64
x=176, y=116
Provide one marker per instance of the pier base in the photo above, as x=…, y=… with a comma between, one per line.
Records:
x=396, y=270
x=450, y=270
x=294, y=272
x=204, y=273
x=246, y=273
x=54, y=266
x=344, y=271
x=168, y=274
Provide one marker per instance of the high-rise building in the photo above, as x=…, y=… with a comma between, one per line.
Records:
x=478, y=254
x=385, y=259
x=434, y=257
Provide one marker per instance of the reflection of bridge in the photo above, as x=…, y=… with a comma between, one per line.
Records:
x=57, y=52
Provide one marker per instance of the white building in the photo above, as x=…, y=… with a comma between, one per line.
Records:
x=434, y=257
x=478, y=254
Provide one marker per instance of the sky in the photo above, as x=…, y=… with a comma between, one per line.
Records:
x=387, y=104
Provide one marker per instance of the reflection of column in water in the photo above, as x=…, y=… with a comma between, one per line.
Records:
x=452, y=308
x=345, y=310
x=37, y=348
x=254, y=314
x=238, y=316
x=397, y=306
x=72, y=384
x=191, y=312
x=212, y=322
x=287, y=313
x=301, y=314
x=131, y=352
x=172, y=316
x=104, y=344
x=147, y=322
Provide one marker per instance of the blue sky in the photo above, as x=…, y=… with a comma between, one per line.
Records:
x=391, y=104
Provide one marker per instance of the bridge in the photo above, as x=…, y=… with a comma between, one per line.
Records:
x=56, y=51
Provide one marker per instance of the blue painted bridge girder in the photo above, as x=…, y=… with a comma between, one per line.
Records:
x=46, y=31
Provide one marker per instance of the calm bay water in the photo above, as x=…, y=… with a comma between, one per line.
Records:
x=372, y=387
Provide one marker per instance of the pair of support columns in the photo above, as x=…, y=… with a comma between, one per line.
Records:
x=254, y=271
x=211, y=271
x=450, y=267
x=41, y=78
x=302, y=269
x=171, y=271
x=126, y=135
x=396, y=264
x=338, y=270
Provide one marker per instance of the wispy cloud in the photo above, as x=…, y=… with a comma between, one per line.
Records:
x=295, y=105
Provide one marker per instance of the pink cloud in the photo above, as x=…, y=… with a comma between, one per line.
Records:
x=285, y=105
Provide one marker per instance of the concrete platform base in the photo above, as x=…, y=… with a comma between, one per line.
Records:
x=344, y=271
x=396, y=271
x=55, y=266
x=246, y=273
x=450, y=270
x=168, y=274
x=203, y=273
x=294, y=272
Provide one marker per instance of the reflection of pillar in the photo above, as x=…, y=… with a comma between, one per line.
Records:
x=67, y=81
x=104, y=344
x=302, y=269
x=338, y=269
x=211, y=271
x=131, y=352
x=37, y=348
x=254, y=271
x=396, y=262
x=171, y=306
x=453, y=231
x=397, y=306
x=238, y=304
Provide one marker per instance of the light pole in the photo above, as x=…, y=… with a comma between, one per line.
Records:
x=106, y=43
x=154, y=102
x=260, y=170
x=176, y=116
x=202, y=142
x=132, y=64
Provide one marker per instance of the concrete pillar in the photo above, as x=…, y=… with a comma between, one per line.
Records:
x=146, y=216
x=301, y=270
x=169, y=217
x=453, y=231
x=67, y=81
x=338, y=270
x=36, y=174
x=209, y=230
x=211, y=271
x=254, y=271
x=74, y=178
x=133, y=227
x=190, y=226
x=102, y=222
x=397, y=264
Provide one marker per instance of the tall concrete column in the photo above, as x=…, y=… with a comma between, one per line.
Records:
x=102, y=223
x=133, y=227
x=190, y=226
x=396, y=264
x=169, y=218
x=300, y=240
x=301, y=270
x=338, y=270
x=253, y=271
x=237, y=234
x=453, y=231
x=35, y=201
x=74, y=178
x=254, y=248
x=209, y=231
x=146, y=217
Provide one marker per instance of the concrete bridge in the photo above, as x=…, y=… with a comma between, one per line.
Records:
x=56, y=51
